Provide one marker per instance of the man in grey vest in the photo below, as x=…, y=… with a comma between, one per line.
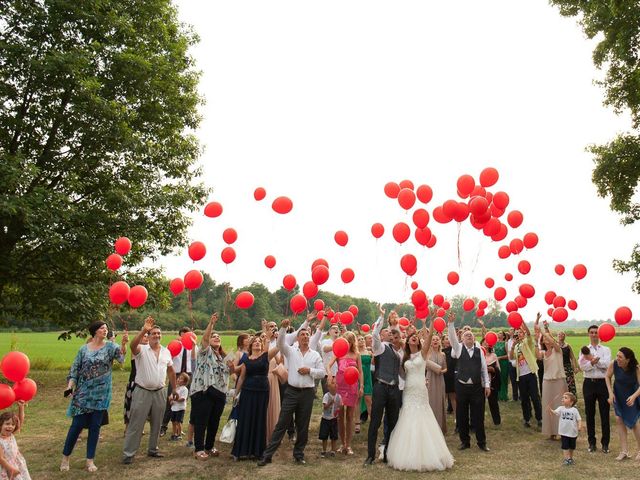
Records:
x=472, y=386
x=386, y=394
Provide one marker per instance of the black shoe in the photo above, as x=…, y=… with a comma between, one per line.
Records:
x=385, y=460
x=592, y=448
x=539, y=423
x=368, y=461
x=263, y=461
x=484, y=448
x=526, y=424
x=463, y=446
x=163, y=431
x=127, y=460
x=605, y=449
x=155, y=454
x=299, y=461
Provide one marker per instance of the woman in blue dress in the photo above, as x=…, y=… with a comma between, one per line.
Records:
x=90, y=381
x=624, y=396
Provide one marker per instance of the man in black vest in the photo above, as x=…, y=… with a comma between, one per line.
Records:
x=472, y=386
x=386, y=394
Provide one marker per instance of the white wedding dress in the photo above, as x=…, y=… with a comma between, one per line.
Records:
x=416, y=442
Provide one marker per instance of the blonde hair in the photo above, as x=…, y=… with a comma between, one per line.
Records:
x=351, y=338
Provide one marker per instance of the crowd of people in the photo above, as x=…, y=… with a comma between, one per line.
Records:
x=404, y=380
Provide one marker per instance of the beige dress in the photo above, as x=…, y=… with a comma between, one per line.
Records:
x=435, y=382
x=554, y=384
x=273, y=410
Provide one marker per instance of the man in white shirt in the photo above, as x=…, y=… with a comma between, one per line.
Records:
x=153, y=363
x=304, y=366
x=594, y=389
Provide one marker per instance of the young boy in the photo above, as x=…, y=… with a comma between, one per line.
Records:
x=179, y=405
x=569, y=426
x=331, y=403
x=586, y=353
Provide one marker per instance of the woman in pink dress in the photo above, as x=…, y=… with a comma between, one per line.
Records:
x=350, y=393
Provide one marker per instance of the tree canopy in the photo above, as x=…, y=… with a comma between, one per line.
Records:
x=616, y=26
x=98, y=103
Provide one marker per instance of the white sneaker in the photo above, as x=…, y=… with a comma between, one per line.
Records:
x=381, y=450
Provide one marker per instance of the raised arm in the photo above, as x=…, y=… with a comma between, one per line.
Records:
x=123, y=344
x=378, y=348
x=282, y=343
x=456, y=348
x=135, y=343
x=427, y=335
x=206, y=336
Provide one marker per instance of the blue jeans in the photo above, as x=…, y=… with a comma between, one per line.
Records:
x=92, y=421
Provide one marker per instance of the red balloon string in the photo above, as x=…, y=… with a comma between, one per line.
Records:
x=459, y=260
x=227, y=302
x=190, y=304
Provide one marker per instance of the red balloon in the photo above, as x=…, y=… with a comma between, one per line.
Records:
x=213, y=210
x=623, y=315
x=391, y=190
x=409, y=264
x=347, y=275
x=406, y=184
x=406, y=198
x=524, y=267
x=606, y=332
x=492, y=227
x=310, y=289
x=320, y=274
x=418, y=298
x=176, y=286
x=330, y=313
x=298, y=303
x=482, y=304
x=530, y=240
x=511, y=306
x=403, y=322
x=318, y=305
x=549, y=297
x=468, y=304
x=515, y=320
x=420, y=218
x=319, y=261
x=228, y=255
x=504, y=252
x=340, y=347
x=229, y=236
x=244, y=300
x=365, y=328
x=119, y=292
x=7, y=396
x=502, y=233
x=489, y=177
x=137, y=296
x=465, y=184
x=449, y=208
x=559, y=269
x=439, y=324
x=351, y=375
x=337, y=316
x=516, y=246
x=422, y=312
x=491, y=338
x=25, y=389
x=520, y=301
x=439, y=215
x=461, y=212
x=114, y=262
x=414, y=285
x=550, y=312
x=527, y=290
x=377, y=230
x=423, y=236
x=188, y=340
x=499, y=294
x=15, y=366
x=495, y=211
x=446, y=305
x=579, y=271
x=559, y=301
x=197, y=251
x=193, y=279
x=515, y=218
x=354, y=310
x=320, y=315
x=453, y=278
x=441, y=312
x=424, y=193
x=500, y=200
x=508, y=277
x=175, y=347
x=438, y=300
x=489, y=283
x=259, y=193
x=341, y=238
x=401, y=232
x=346, y=317
x=289, y=282
x=572, y=304
x=270, y=261
x=560, y=314
x=123, y=246
x=282, y=205
x=478, y=205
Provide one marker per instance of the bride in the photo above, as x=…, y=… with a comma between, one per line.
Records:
x=416, y=442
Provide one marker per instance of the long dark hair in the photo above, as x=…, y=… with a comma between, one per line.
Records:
x=629, y=355
x=407, y=348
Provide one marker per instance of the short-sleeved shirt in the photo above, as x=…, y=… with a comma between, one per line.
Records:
x=569, y=418
x=151, y=372
x=183, y=392
x=332, y=411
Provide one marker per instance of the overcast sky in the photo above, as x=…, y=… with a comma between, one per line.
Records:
x=326, y=102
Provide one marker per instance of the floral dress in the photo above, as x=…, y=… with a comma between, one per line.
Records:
x=12, y=455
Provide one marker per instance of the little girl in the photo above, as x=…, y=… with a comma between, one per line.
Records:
x=12, y=462
x=569, y=426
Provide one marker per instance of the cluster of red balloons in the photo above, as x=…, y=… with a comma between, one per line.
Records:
x=120, y=292
x=15, y=367
x=122, y=247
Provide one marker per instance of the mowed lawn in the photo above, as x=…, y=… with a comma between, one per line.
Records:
x=516, y=452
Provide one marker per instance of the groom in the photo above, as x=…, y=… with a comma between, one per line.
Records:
x=472, y=386
x=386, y=394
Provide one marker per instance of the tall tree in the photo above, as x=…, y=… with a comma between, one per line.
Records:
x=616, y=24
x=98, y=103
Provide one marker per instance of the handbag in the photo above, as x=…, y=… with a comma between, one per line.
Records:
x=229, y=431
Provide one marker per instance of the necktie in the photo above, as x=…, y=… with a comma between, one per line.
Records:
x=183, y=366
